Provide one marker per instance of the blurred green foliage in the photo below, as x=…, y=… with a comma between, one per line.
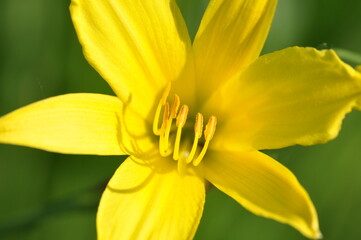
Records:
x=52, y=196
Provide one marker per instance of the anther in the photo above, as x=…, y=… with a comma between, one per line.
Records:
x=181, y=120
x=198, y=128
x=182, y=116
x=175, y=106
x=208, y=135
x=165, y=115
x=161, y=103
x=210, y=128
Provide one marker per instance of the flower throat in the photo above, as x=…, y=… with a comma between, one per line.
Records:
x=171, y=113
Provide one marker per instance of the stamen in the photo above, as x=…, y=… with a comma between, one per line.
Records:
x=198, y=128
x=166, y=133
x=162, y=146
x=208, y=135
x=210, y=128
x=173, y=114
x=165, y=117
x=181, y=120
x=161, y=103
x=182, y=116
x=175, y=106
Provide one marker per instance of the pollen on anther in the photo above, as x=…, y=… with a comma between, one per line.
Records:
x=175, y=106
x=198, y=126
x=182, y=116
x=210, y=128
x=166, y=113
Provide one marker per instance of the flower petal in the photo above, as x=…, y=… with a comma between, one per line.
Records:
x=358, y=106
x=74, y=123
x=293, y=96
x=150, y=202
x=264, y=187
x=137, y=46
x=230, y=37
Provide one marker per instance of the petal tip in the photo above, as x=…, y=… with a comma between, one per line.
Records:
x=319, y=235
x=314, y=231
x=316, y=235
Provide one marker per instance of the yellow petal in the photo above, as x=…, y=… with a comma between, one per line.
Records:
x=264, y=187
x=137, y=46
x=293, y=96
x=230, y=37
x=73, y=123
x=150, y=202
x=358, y=106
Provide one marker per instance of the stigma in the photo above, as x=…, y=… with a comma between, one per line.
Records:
x=173, y=122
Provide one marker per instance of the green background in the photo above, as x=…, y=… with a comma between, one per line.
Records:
x=52, y=196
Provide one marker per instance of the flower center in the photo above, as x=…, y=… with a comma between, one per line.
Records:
x=165, y=131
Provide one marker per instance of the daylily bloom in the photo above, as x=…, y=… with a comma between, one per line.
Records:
x=191, y=113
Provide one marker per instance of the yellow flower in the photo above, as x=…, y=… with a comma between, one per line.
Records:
x=166, y=87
